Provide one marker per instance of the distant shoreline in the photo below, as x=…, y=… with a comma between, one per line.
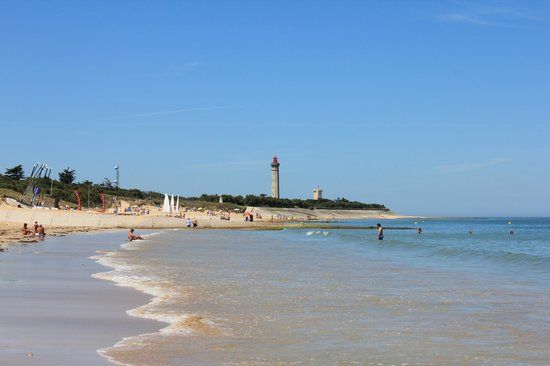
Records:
x=62, y=222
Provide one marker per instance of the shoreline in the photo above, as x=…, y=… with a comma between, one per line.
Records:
x=64, y=316
x=56, y=289
x=60, y=223
x=116, y=274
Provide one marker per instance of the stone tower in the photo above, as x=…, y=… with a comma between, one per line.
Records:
x=317, y=194
x=275, y=178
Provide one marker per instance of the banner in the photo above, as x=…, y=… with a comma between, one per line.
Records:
x=103, y=201
x=78, y=202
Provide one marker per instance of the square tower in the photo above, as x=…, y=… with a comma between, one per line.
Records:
x=317, y=194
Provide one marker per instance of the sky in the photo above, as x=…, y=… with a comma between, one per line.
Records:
x=429, y=107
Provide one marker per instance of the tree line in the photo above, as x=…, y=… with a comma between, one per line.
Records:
x=266, y=201
x=64, y=187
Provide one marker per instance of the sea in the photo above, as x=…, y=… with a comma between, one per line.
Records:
x=464, y=292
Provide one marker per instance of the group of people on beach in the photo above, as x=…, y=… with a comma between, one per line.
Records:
x=38, y=230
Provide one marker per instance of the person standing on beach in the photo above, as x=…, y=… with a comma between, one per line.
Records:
x=380, y=232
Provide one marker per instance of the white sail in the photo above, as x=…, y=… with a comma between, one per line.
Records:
x=172, y=203
x=177, y=208
x=166, y=205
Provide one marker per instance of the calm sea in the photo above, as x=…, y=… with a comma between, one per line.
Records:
x=309, y=297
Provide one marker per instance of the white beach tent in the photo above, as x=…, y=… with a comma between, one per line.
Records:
x=166, y=205
x=177, y=208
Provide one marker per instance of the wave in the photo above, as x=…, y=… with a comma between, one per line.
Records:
x=125, y=274
x=323, y=233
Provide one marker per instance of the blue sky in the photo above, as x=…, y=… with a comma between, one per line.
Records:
x=430, y=107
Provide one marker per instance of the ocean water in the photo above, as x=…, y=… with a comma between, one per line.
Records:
x=341, y=297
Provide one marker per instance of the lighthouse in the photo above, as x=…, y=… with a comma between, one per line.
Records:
x=275, y=178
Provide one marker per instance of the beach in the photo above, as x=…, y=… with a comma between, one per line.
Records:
x=53, y=311
x=241, y=297
x=63, y=222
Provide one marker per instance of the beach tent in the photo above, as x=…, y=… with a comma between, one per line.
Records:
x=177, y=208
x=166, y=205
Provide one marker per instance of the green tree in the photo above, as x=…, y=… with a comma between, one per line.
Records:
x=15, y=173
x=108, y=184
x=67, y=176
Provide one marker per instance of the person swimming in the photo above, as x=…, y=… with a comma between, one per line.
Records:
x=380, y=232
x=420, y=230
x=132, y=236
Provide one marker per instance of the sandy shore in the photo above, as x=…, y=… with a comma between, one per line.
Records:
x=54, y=312
x=64, y=222
x=11, y=232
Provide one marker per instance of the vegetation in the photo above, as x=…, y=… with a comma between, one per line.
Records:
x=63, y=190
x=15, y=173
x=67, y=176
x=265, y=201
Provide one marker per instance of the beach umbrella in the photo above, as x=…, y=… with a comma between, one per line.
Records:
x=166, y=205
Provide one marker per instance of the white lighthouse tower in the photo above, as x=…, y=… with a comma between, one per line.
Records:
x=275, y=178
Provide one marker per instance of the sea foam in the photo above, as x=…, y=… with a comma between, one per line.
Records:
x=129, y=275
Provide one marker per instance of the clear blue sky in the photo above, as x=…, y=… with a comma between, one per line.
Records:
x=430, y=107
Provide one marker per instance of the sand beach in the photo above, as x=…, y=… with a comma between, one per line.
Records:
x=261, y=297
x=63, y=222
x=53, y=311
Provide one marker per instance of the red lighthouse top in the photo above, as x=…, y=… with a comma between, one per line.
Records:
x=275, y=161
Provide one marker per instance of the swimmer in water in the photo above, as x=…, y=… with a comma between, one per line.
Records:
x=420, y=230
x=380, y=232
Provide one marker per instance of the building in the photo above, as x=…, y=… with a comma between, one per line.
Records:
x=317, y=194
x=275, y=178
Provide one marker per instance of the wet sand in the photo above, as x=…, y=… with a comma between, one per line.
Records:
x=52, y=312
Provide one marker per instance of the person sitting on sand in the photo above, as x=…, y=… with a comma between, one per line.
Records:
x=40, y=231
x=25, y=230
x=380, y=232
x=132, y=236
